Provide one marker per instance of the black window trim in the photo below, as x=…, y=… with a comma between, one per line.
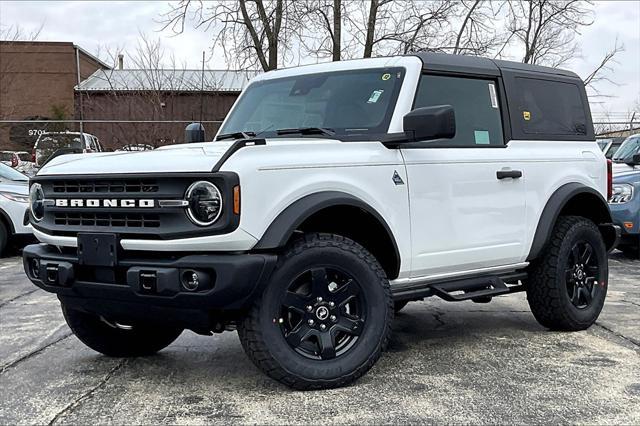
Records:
x=502, y=102
x=511, y=87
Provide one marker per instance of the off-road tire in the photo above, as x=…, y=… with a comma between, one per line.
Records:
x=264, y=342
x=398, y=306
x=547, y=294
x=104, y=337
x=4, y=238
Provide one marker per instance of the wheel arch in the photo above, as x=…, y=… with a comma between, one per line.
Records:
x=8, y=224
x=318, y=213
x=578, y=200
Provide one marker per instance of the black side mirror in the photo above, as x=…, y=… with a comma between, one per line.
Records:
x=634, y=160
x=428, y=123
x=194, y=133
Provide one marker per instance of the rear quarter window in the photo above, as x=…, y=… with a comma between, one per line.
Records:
x=548, y=109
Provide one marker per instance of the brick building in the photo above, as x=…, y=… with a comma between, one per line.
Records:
x=37, y=81
x=61, y=81
x=154, y=106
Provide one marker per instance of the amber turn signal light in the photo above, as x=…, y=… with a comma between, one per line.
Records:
x=236, y=199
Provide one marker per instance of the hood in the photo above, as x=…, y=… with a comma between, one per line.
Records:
x=200, y=157
x=21, y=188
x=629, y=176
x=622, y=168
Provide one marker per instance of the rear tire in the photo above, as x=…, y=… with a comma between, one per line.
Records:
x=324, y=318
x=107, y=338
x=568, y=284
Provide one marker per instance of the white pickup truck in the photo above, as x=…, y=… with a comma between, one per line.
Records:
x=332, y=195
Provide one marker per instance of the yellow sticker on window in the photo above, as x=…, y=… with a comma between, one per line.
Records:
x=526, y=115
x=386, y=76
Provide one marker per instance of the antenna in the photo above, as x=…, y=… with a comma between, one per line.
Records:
x=202, y=90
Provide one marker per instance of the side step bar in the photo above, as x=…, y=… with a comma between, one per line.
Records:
x=462, y=289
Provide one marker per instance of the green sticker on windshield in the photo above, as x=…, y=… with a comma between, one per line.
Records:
x=375, y=95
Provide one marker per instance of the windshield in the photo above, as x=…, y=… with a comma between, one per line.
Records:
x=7, y=173
x=346, y=102
x=628, y=148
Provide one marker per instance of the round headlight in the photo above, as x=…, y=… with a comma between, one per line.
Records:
x=205, y=203
x=36, y=201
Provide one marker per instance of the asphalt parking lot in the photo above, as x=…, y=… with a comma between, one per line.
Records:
x=447, y=363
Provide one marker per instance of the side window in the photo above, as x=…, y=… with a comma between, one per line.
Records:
x=476, y=106
x=550, y=108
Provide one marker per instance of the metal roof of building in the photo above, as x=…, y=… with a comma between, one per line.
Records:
x=167, y=80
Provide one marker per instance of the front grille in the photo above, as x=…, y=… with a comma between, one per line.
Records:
x=105, y=186
x=127, y=220
x=137, y=221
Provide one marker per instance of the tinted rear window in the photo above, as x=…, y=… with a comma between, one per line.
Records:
x=550, y=108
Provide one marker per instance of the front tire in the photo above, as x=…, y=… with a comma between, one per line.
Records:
x=568, y=283
x=111, y=339
x=325, y=317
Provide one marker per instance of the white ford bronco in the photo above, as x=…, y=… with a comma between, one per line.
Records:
x=332, y=195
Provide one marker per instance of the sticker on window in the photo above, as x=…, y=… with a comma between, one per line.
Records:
x=482, y=137
x=526, y=115
x=386, y=76
x=375, y=95
x=493, y=95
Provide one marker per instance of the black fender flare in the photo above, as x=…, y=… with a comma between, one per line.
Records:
x=284, y=225
x=553, y=208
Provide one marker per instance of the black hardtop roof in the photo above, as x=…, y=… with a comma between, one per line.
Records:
x=475, y=65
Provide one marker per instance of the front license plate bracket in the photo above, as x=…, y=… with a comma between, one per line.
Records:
x=97, y=249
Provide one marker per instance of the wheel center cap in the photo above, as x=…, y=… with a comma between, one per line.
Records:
x=580, y=274
x=322, y=313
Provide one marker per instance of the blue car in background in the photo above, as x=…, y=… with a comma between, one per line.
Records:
x=625, y=205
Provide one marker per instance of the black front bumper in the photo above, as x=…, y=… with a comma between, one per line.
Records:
x=152, y=290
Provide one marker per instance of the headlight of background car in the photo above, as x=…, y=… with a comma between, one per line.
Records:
x=15, y=197
x=36, y=201
x=622, y=192
x=205, y=203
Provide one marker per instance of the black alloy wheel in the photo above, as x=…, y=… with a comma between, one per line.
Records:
x=582, y=274
x=323, y=313
x=324, y=317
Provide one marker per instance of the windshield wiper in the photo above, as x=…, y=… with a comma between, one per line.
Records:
x=236, y=135
x=307, y=131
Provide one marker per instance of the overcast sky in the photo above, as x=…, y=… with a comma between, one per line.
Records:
x=89, y=24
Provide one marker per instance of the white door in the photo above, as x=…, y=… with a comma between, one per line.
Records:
x=466, y=212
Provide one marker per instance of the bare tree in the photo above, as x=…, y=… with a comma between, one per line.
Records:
x=602, y=72
x=475, y=29
x=148, y=89
x=18, y=33
x=322, y=34
x=251, y=32
x=546, y=29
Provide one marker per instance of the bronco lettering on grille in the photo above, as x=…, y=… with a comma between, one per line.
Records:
x=80, y=202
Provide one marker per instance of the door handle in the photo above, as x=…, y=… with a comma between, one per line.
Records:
x=503, y=174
